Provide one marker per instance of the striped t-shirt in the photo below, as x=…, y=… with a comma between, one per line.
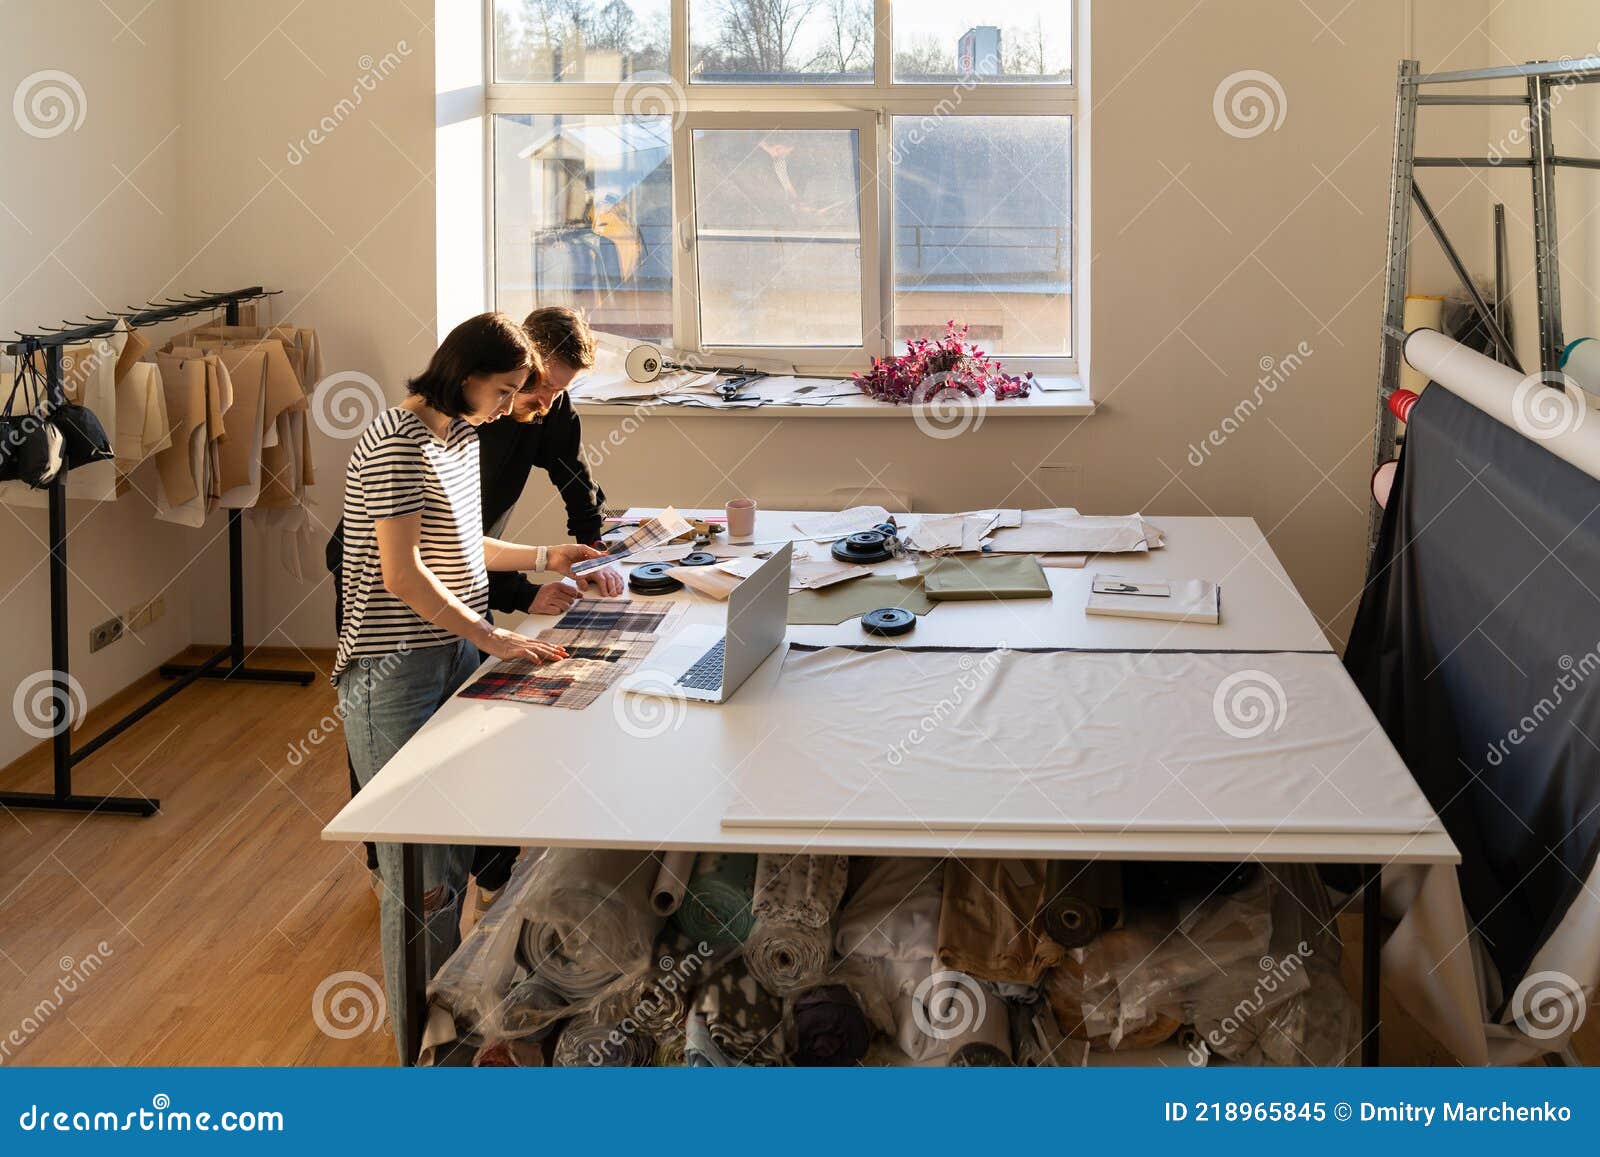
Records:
x=401, y=467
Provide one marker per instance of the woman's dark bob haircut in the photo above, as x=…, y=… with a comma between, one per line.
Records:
x=490, y=343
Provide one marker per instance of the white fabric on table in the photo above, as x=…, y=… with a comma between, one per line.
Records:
x=1076, y=741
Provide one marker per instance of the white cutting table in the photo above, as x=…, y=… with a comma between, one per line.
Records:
x=485, y=772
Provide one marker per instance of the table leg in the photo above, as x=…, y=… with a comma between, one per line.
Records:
x=1371, y=968
x=413, y=967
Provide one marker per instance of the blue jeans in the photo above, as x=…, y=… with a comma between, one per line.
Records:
x=385, y=700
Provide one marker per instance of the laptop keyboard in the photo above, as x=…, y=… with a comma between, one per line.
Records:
x=706, y=674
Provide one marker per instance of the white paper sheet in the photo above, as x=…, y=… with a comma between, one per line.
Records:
x=831, y=527
x=997, y=740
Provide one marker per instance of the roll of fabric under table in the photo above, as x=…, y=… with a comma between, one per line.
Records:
x=672, y=879
x=830, y=1028
x=603, y=1037
x=973, y=1018
x=742, y=1019
x=588, y=923
x=1081, y=898
x=716, y=904
x=791, y=943
x=991, y=921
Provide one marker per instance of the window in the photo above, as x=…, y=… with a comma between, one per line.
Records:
x=812, y=180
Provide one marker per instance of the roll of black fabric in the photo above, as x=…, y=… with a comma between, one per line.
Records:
x=830, y=1028
x=1477, y=645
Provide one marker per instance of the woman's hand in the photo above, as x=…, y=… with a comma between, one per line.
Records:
x=553, y=599
x=605, y=580
x=504, y=644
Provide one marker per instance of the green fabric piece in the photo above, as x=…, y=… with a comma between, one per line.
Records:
x=855, y=597
x=716, y=902
x=1009, y=576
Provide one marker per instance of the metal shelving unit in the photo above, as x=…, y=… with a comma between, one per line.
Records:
x=1539, y=79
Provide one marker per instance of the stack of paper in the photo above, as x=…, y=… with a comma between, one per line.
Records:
x=1065, y=531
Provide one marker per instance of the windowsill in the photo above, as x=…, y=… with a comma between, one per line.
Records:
x=1058, y=403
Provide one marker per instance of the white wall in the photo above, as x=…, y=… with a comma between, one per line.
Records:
x=91, y=219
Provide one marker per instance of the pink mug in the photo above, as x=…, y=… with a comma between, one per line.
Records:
x=741, y=518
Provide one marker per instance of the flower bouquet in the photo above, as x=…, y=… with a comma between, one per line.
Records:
x=931, y=366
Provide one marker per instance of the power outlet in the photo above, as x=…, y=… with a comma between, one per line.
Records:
x=105, y=634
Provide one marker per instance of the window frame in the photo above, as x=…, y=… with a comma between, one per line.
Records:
x=777, y=104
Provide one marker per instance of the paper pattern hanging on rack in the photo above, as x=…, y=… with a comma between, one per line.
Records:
x=604, y=638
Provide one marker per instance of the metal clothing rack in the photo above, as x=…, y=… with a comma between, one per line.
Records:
x=228, y=663
x=1539, y=79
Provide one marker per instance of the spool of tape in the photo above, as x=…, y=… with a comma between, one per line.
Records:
x=652, y=579
x=888, y=621
x=643, y=364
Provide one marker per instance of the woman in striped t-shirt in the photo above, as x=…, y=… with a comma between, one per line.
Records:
x=416, y=585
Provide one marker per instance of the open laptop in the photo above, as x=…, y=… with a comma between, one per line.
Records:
x=709, y=663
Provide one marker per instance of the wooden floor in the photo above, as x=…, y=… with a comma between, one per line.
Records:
x=200, y=936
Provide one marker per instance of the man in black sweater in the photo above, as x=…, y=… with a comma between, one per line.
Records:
x=541, y=431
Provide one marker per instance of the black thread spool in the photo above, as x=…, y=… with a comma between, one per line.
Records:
x=652, y=579
x=888, y=621
x=865, y=546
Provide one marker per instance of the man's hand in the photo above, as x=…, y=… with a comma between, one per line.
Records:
x=604, y=581
x=553, y=599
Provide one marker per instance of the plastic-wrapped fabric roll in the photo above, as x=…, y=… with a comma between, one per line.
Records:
x=1081, y=897
x=1421, y=312
x=795, y=899
x=830, y=1028
x=532, y=1009
x=603, y=1037
x=666, y=897
x=1037, y=1040
x=716, y=904
x=471, y=986
x=588, y=923
x=1559, y=421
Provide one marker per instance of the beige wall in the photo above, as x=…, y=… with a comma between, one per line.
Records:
x=91, y=219
x=1210, y=254
x=344, y=226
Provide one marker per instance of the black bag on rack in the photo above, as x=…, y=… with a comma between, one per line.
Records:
x=83, y=437
x=32, y=449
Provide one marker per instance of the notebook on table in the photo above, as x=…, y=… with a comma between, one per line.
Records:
x=1172, y=600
